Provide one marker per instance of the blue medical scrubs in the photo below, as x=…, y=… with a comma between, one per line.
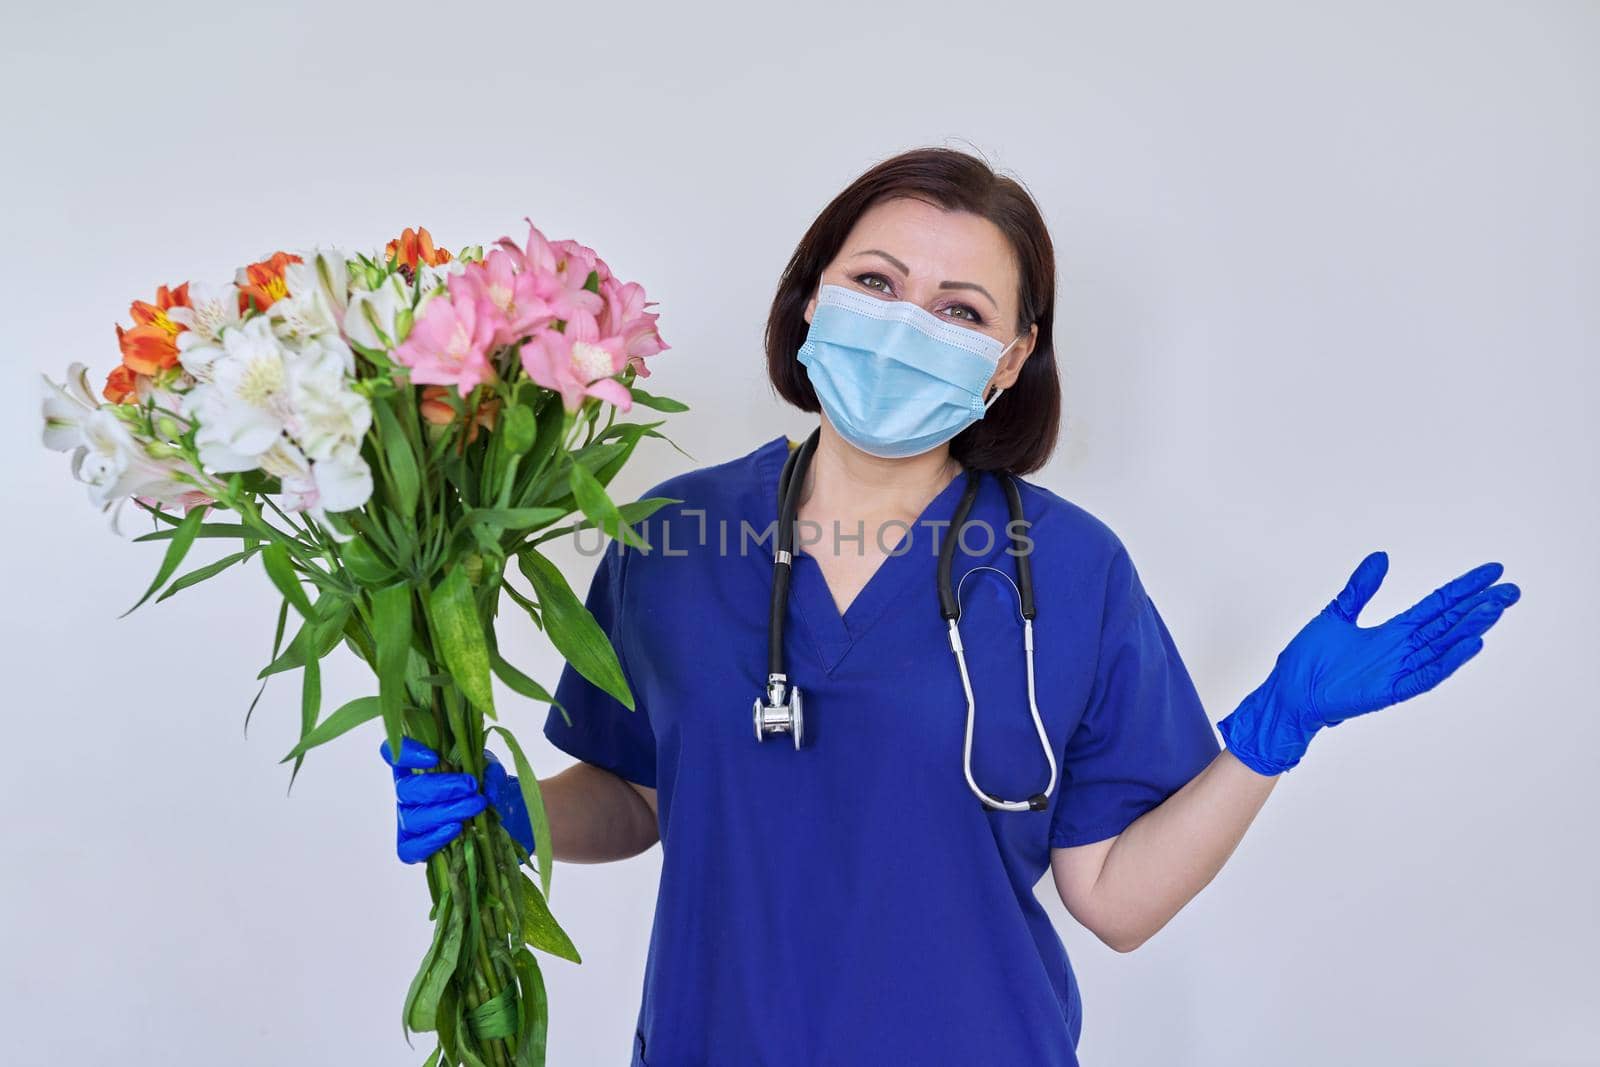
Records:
x=853, y=903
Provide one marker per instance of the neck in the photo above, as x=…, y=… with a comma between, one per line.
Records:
x=845, y=481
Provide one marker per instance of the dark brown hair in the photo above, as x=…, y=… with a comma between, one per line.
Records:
x=1019, y=432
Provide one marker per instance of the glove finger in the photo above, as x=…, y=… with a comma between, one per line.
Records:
x=418, y=847
x=1426, y=677
x=1444, y=597
x=513, y=815
x=1363, y=583
x=413, y=754
x=435, y=787
x=420, y=818
x=494, y=777
x=1470, y=624
x=1498, y=596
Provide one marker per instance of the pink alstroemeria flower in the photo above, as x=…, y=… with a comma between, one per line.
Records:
x=450, y=342
x=625, y=316
x=516, y=294
x=554, y=273
x=578, y=363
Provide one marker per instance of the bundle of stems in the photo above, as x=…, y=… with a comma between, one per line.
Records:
x=412, y=583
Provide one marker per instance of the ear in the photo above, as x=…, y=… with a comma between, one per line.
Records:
x=811, y=306
x=1005, y=375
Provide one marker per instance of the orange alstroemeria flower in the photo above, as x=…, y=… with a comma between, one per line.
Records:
x=414, y=246
x=263, y=284
x=437, y=410
x=121, y=385
x=151, y=345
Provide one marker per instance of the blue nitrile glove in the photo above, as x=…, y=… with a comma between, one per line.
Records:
x=430, y=807
x=1335, y=669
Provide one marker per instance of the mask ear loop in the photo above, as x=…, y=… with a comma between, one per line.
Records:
x=987, y=404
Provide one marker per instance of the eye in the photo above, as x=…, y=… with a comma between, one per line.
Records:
x=866, y=281
x=970, y=313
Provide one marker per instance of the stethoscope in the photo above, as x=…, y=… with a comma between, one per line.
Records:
x=782, y=711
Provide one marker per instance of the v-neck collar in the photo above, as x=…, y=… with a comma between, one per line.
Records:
x=913, y=559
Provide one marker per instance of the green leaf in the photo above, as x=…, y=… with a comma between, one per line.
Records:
x=277, y=642
x=329, y=615
x=659, y=403
x=553, y=423
x=391, y=633
x=639, y=510
x=572, y=629
x=275, y=558
x=422, y=999
x=634, y=512
x=518, y=682
x=364, y=563
x=524, y=519
x=495, y=1017
x=347, y=718
x=401, y=460
x=210, y=570
x=310, y=699
x=458, y=635
x=182, y=538
x=420, y=725
x=594, y=503
x=209, y=529
x=533, y=799
x=518, y=430
x=539, y=927
x=535, y=1010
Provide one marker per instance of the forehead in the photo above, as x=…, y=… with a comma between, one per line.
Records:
x=933, y=242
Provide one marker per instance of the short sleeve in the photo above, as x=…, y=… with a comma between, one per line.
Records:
x=603, y=731
x=1144, y=732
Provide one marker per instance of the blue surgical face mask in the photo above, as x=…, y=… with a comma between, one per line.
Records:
x=893, y=378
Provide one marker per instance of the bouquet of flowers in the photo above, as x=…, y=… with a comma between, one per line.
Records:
x=385, y=432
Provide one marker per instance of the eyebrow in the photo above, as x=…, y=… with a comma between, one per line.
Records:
x=903, y=269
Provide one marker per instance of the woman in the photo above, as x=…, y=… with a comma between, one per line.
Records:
x=866, y=896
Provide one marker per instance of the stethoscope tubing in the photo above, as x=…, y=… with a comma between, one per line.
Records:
x=789, y=484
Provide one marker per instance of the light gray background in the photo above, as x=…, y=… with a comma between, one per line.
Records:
x=1328, y=278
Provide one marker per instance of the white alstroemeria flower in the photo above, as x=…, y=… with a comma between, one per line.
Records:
x=299, y=317
x=369, y=321
x=430, y=277
x=318, y=297
x=285, y=462
x=330, y=345
x=114, y=464
x=338, y=483
x=245, y=407
x=169, y=396
x=331, y=268
x=214, y=308
x=327, y=412
x=344, y=480
x=65, y=407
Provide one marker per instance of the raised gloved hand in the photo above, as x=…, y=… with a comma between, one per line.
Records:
x=430, y=807
x=1334, y=669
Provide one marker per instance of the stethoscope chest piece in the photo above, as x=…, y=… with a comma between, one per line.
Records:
x=777, y=715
